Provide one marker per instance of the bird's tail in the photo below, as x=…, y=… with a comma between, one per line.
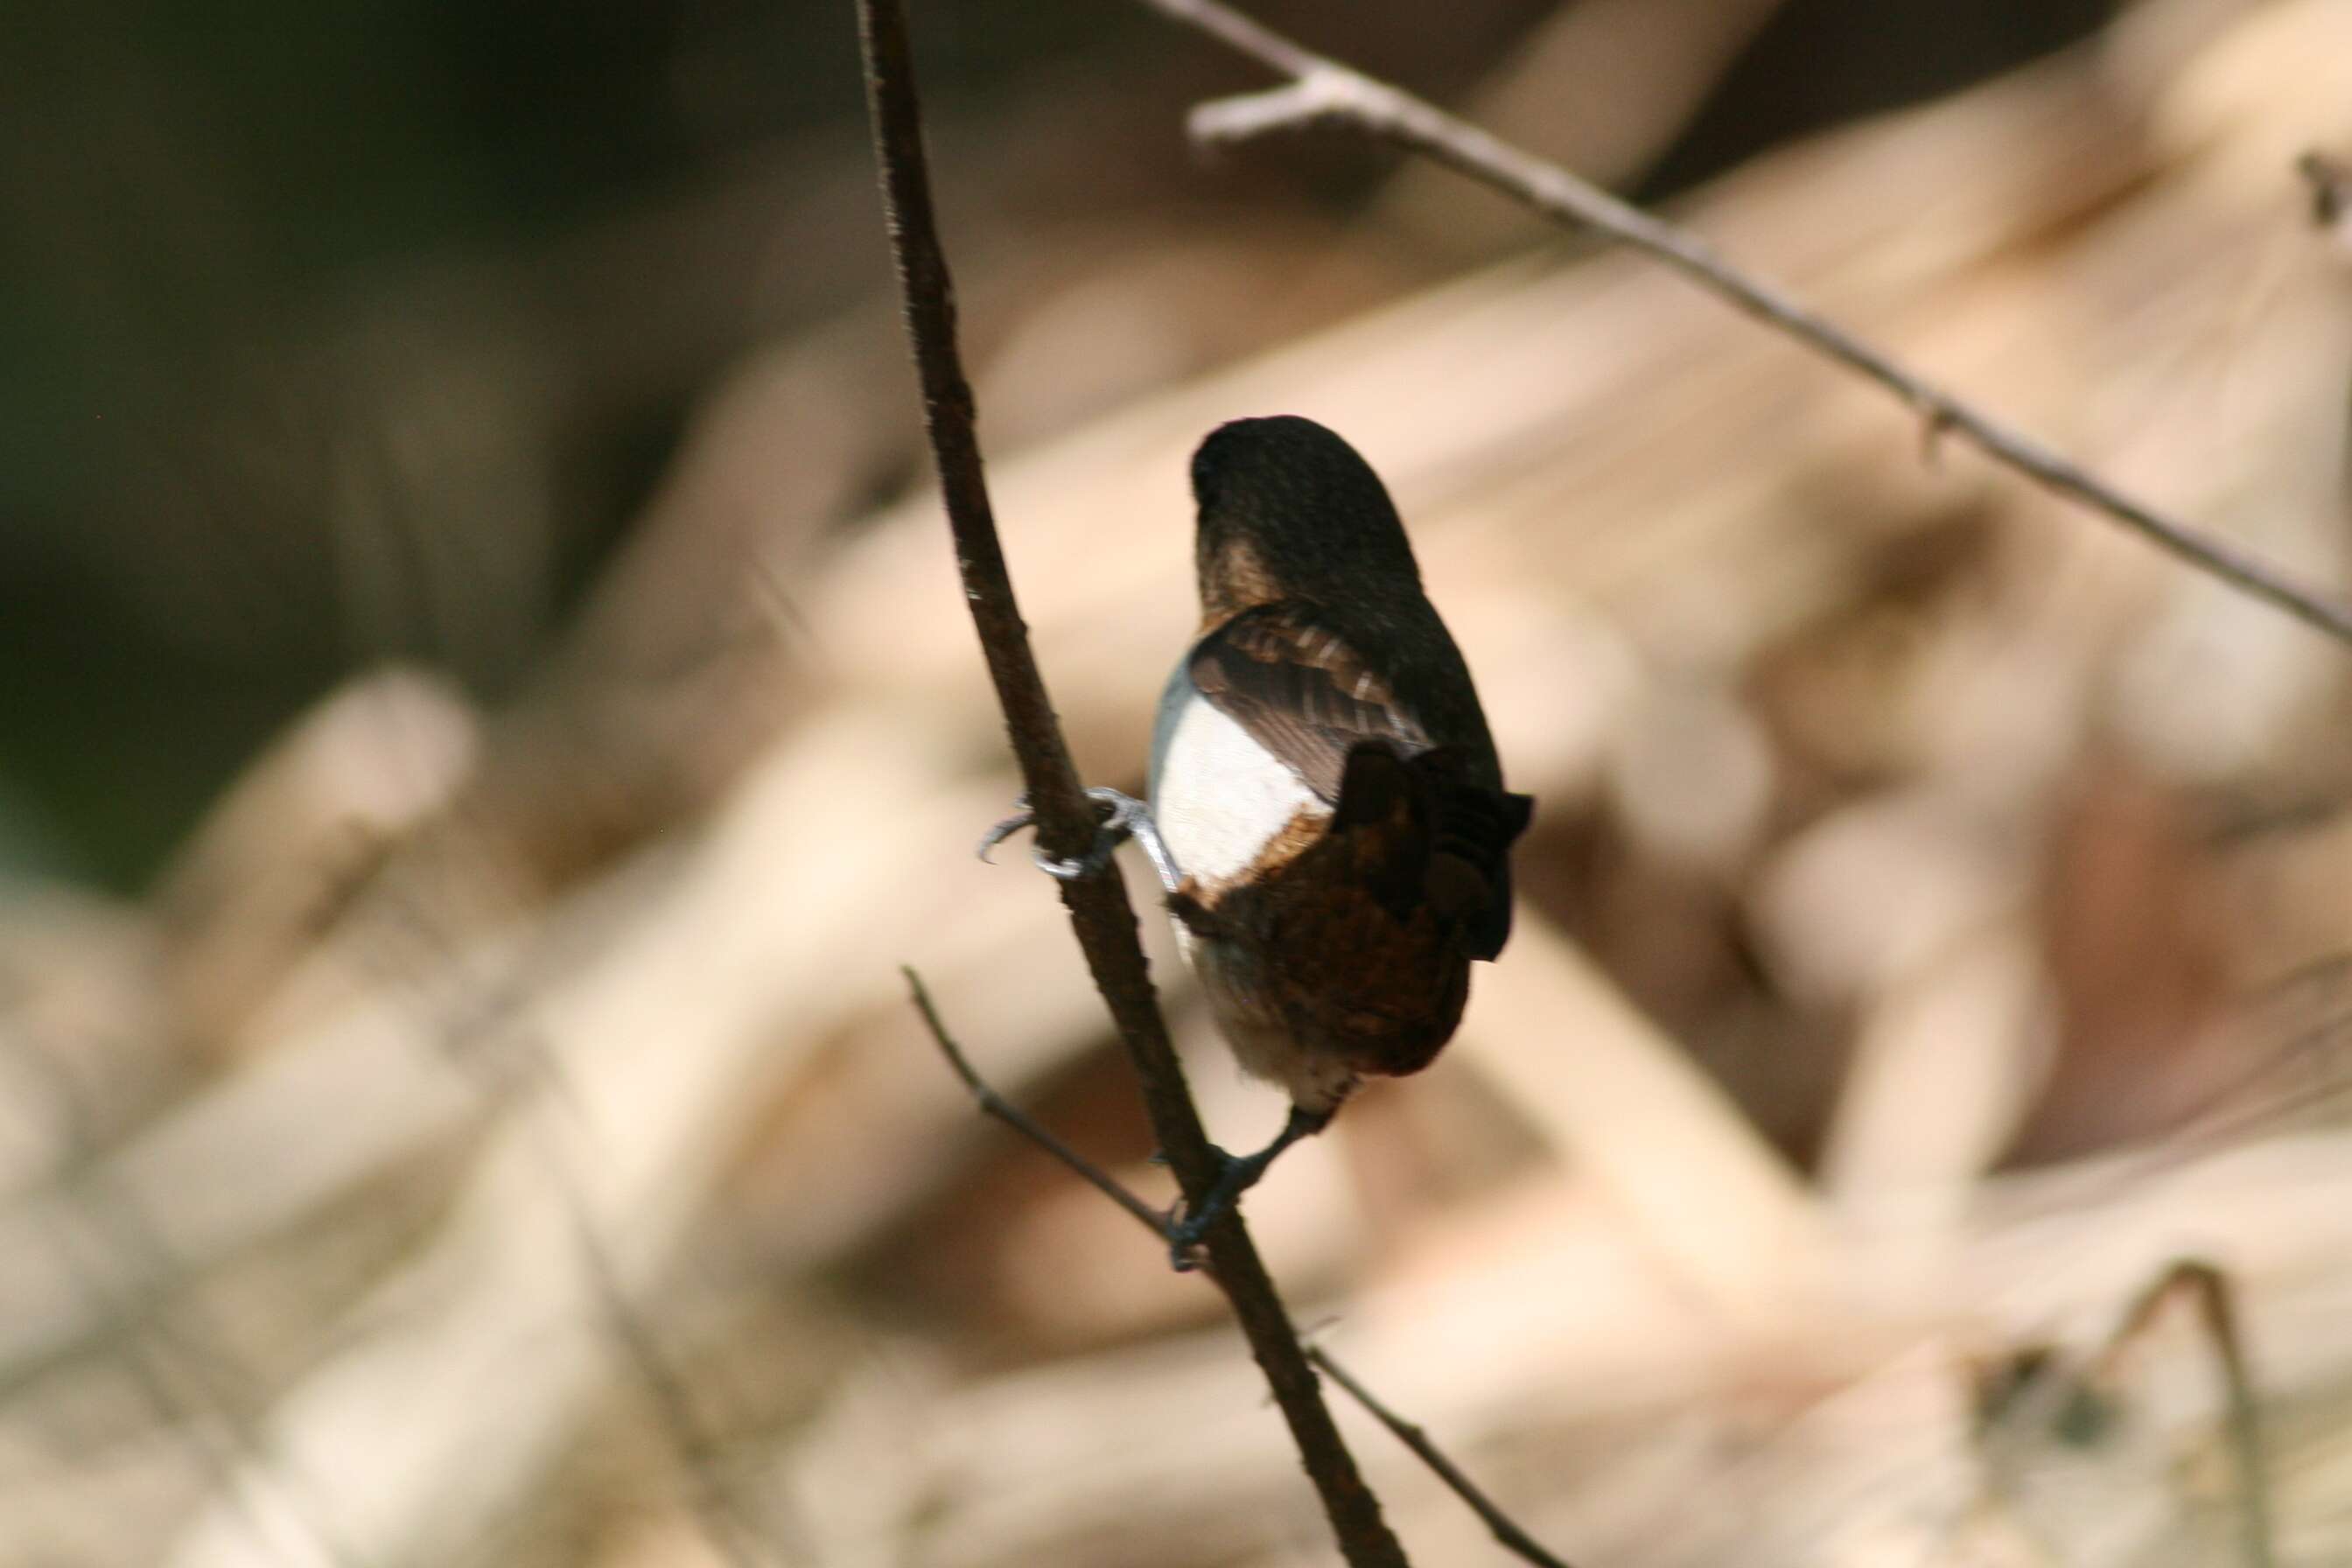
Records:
x=1424, y=834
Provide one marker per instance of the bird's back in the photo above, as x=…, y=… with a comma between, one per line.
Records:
x=1341, y=869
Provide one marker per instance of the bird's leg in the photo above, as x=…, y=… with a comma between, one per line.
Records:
x=1127, y=817
x=1238, y=1176
x=1141, y=823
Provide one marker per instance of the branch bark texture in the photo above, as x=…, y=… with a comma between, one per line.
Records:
x=1322, y=91
x=1100, y=912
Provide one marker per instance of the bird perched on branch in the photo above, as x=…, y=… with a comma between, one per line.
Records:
x=1327, y=810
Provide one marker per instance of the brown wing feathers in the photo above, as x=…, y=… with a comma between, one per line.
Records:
x=1419, y=828
x=1301, y=691
x=1426, y=833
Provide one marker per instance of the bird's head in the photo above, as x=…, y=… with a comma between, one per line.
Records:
x=1289, y=510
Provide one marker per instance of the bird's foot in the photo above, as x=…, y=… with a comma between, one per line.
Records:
x=1235, y=1175
x=1117, y=813
x=1122, y=817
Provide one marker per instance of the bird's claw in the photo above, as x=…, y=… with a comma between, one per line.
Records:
x=1185, y=1238
x=1187, y=1231
x=1118, y=821
x=1235, y=1175
x=1004, y=830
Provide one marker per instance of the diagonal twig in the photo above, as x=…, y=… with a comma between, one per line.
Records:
x=1099, y=912
x=1322, y=91
x=994, y=1104
x=1505, y=1528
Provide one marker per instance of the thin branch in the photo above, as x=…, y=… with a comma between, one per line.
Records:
x=1505, y=1528
x=1100, y=912
x=994, y=1104
x=1322, y=91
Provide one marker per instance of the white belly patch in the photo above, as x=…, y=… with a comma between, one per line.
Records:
x=1217, y=793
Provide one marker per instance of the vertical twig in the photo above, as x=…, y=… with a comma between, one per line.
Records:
x=1100, y=912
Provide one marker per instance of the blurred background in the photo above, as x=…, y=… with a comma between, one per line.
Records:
x=486, y=711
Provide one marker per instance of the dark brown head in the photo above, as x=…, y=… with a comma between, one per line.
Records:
x=1288, y=510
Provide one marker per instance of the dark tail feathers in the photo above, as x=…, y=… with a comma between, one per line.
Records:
x=1425, y=833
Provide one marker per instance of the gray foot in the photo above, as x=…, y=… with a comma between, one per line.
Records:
x=1238, y=1176
x=1125, y=817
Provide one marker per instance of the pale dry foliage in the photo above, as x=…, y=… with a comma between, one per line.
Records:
x=504, y=1139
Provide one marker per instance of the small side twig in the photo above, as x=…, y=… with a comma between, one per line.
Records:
x=1100, y=913
x=994, y=1104
x=1505, y=1528
x=1322, y=91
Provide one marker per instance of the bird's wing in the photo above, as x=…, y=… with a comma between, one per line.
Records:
x=1290, y=679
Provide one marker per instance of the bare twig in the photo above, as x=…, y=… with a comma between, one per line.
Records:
x=1321, y=92
x=1506, y=1530
x=1100, y=912
x=994, y=1104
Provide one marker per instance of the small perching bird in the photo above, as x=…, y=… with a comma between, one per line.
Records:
x=1327, y=813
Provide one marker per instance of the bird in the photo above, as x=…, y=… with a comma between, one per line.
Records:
x=1326, y=808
